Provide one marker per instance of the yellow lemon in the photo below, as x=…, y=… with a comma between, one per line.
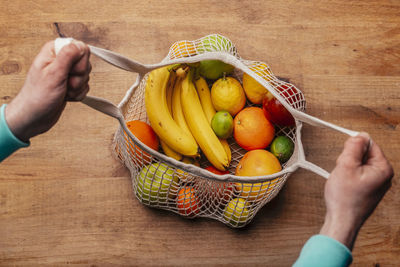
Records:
x=255, y=92
x=227, y=94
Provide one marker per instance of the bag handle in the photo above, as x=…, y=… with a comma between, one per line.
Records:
x=97, y=103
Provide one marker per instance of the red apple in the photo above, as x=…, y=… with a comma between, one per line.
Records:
x=274, y=111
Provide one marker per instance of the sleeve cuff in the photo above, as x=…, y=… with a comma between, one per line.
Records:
x=323, y=251
x=8, y=142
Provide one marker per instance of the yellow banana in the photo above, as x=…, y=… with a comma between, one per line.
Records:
x=200, y=127
x=205, y=98
x=160, y=118
x=170, y=87
x=169, y=151
x=177, y=112
x=227, y=148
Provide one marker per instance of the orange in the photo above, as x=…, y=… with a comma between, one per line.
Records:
x=252, y=130
x=183, y=49
x=187, y=201
x=227, y=94
x=146, y=135
x=257, y=162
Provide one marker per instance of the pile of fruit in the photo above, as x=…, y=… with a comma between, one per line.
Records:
x=193, y=109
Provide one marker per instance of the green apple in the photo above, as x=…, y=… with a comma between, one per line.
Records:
x=156, y=183
x=236, y=212
x=215, y=43
x=214, y=69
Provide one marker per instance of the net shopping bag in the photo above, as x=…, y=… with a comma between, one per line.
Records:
x=163, y=182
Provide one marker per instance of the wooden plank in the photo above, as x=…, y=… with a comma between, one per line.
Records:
x=66, y=200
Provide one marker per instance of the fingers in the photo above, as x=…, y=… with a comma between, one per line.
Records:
x=68, y=56
x=77, y=82
x=354, y=150
x=45, y=56
x=377, y=158
x=83, y=66
x=77, y=95
x=77, y=86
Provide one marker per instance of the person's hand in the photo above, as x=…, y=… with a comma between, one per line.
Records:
x=51, y=81
x=354, y=188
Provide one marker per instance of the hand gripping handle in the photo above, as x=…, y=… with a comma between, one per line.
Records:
x=98, y=103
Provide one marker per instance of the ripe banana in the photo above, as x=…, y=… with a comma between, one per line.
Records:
x=160, y=118
x=200, y=127
x=170, y=87
x=227, y=148
x=169, y=151
x=177, y=112
x=205, y=98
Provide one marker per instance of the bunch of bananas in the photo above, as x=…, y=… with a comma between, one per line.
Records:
x=180, y=110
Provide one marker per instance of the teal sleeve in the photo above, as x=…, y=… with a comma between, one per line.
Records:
x=8, y=142
x=323, y=251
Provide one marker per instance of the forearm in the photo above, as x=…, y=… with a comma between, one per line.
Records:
x=324, y=251
x=342, y=228
x=8, y=142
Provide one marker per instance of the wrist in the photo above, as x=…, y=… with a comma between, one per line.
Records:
x=15, y=121
x=342, y=228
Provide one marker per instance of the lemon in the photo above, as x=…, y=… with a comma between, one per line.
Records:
x=237, y=212
x=227, y=94
x=255, y=92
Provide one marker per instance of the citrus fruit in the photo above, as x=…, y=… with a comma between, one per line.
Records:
x=222, y=124
x=252, y=130
x=216, y=171
x=187, y=202
x=236, y=212
x=183, y=49
x=146, y=135
x=255, y=92
x=220, y=192
x=156, y=183
x=214, y=69
x=257, y=162
x=184, y=176
x=227, y=94
x=263, y=70
x=282, y=147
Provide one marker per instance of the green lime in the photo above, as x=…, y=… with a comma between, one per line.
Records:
x=222, y=124
x=282, y=147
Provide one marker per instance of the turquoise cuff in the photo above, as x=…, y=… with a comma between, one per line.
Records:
x=323, y=251
x=8, y=142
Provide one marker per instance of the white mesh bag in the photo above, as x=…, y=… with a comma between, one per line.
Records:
x=162, y=182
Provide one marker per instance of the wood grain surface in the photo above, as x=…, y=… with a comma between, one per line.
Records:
x=66, y=200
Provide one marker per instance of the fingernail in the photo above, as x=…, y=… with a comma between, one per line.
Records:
x=364, y=134
x=80, y=45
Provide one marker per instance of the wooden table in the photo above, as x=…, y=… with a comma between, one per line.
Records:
x=66, y=200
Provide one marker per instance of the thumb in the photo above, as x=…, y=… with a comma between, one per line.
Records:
x=67, y=57
x=354, y=150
